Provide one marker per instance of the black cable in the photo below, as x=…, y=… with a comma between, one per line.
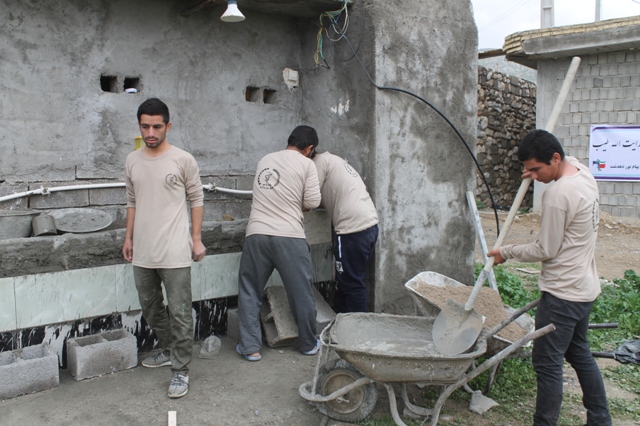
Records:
x=484, y=179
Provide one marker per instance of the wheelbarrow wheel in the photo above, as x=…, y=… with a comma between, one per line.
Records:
x=355, y=405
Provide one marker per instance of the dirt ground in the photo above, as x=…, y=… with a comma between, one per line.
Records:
x=617, y=249
x=231, y=391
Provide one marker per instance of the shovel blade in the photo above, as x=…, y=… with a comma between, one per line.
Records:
x=455, y=329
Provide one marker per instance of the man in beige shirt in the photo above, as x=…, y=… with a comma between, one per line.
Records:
x=160, y=179
x=285, y=184
x=568, y=281
x=355, y=223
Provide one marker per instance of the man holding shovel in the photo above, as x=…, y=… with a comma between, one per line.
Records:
x=568, y=281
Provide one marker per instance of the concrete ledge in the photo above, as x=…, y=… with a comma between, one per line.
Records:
x=37, y=255
x=101, y=354
x=28, y=370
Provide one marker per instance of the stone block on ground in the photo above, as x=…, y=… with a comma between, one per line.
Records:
x=101, y=354
x=28, y=370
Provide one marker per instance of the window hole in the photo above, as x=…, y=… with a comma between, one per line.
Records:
x=132, y=83
x=252, y=94
x=269, y=96
x=109, y=83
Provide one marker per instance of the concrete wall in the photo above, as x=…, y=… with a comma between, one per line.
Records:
x=61, y=127
x=606, y=91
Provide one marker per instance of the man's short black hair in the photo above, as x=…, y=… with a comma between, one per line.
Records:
x=302, y=137
x=539, y=145
x=154, y=106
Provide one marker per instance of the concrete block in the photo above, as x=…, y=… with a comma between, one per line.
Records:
x=219, y=210
x=232, y=324
x=28, y=370
x=61, y=199
x=101, y=354
x=107, y=196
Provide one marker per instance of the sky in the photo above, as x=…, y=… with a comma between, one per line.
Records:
x=496, y=19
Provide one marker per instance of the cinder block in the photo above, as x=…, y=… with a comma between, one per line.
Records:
x=28, y=370
x=232, y=324
x=101, y=354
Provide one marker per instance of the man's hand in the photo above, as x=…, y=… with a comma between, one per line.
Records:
x=498, y=257
x=198, y=252
x=127, y=250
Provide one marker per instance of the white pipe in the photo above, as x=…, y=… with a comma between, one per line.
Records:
x=46, y=191
x=212, y=187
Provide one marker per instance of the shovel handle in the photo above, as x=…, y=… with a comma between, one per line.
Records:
x=524, y=186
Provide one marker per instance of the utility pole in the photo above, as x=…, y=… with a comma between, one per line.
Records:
x=598, y=11
x=546, y=14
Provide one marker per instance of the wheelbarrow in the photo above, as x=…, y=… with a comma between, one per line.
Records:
x=393, y=349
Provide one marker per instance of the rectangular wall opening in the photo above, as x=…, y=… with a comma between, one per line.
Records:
x=252, y=94
x=132, y=83
x=269, y=96
x=109, y=83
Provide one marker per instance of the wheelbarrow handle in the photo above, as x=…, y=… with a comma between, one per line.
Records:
x=512, y=318
x=604, y=325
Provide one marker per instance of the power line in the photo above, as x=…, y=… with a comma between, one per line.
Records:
x=501, y=17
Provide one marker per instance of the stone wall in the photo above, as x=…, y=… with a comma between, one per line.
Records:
x=506, y=112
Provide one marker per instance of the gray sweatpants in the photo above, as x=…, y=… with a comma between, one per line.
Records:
x=175, y=328
x=292, y=259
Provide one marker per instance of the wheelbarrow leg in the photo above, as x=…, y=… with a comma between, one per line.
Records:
x=393, y=407
x=492, y=377
x=420, y=411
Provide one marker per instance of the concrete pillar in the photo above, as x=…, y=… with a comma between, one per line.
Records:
x=421, y=169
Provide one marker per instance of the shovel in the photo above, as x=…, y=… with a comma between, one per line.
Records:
x=457, y=326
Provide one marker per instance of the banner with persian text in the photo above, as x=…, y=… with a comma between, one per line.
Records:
x=614, y=152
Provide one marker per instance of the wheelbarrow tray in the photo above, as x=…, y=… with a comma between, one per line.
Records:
x=395, y=348
x=429, y=304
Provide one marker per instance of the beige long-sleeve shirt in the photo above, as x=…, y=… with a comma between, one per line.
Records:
x=158, y=188
x=286, y=182
x=344, y=195
x=567, y=239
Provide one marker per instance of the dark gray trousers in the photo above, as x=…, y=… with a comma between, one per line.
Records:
x=173, y=326
x=292, y=259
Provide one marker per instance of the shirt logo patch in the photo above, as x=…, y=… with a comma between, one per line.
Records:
x=268, y=178
x=350, y=169
x=171, y=179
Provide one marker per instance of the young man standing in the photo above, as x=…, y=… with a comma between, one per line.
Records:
x=286, y=183
x=355, y=223
x=160, y=179
x=568, y=281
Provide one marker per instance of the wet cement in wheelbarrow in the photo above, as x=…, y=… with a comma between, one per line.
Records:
x=488, y=304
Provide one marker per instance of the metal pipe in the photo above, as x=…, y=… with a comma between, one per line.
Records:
x=213, y=187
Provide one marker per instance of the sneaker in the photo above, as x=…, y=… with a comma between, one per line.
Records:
x=162, y=359
x=314, y=350
x=179, y=385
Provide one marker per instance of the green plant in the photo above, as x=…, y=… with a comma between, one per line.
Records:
x=480, y=205
x=619, y=302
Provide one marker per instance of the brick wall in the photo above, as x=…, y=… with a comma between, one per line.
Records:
x=606, y=91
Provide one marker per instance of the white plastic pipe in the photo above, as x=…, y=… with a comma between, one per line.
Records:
x=43, y=190
x=212, y=187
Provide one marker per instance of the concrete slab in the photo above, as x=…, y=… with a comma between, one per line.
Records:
x=279, y=327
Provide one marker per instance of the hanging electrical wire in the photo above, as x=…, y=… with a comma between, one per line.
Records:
x=334, y=18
